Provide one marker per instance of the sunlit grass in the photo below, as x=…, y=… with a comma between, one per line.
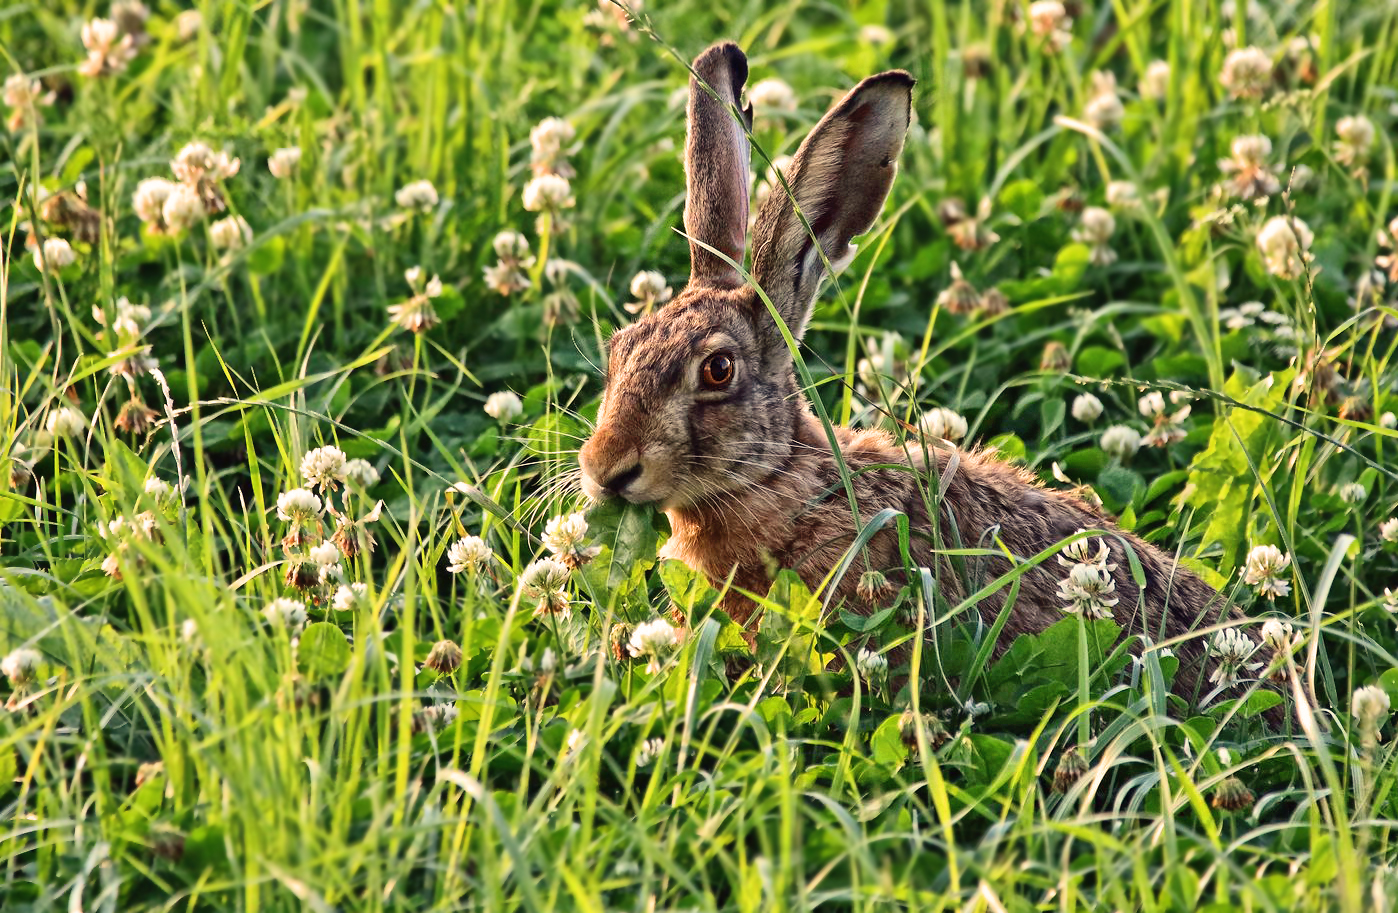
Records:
x=169, y=743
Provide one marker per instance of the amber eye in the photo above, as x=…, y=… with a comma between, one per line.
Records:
x=717, y=371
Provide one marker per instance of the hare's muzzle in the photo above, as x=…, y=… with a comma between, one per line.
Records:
x=611, y=468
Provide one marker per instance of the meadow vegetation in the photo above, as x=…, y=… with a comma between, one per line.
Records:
x=305, y=306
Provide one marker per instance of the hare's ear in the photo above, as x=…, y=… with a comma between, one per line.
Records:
x=716, y=157
x=839, y=178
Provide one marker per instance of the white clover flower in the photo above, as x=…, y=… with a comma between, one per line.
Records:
x=548, y=141
x=565, y=535
x=325, y=554
x=435, y=717
x=1233, y=649
x=1120, y=442
x=871, y=666
x=65, y=421
x=197, y=165
x=1246, y=73
x=648, y=751
x=548, y=193
x=1087, y=591
x=1388, y=530
x=649, y=289
x=1087, y=407
x=503, y=406
x=282, y=163
x=108, y=51
x=1353, y=493
x=551, y=134
x=1049, y=20
x=350, y=596
x=573, y=744
x=298, y=506
x=468, y=555
x=1249, y=174
x=416, y=315
x=183, y=208
x=1388, y=421
x=1104, y=109
x=323, y=468
x=1152, y=404
x=361, y=473
x=772, y=96
x=231, y=233
x=1285, y=243
x=1155, y=84
x=1354, y=140
x=1090, y=550
x=187, y=25
x=548, y=663
x=1263, y=570
x=416, y=195
x=289, y=613
x=1123, y=195
x=1370, y=705
x=654, y=639
x=159, y=490
x=331, y=574
x=1390, y=601
x=149, y=201
x=507, y=277
x=875, y=33
x=19, y=666
x=1279, y=635
x=513, y=247
x=943, y=424
x=24, y=96
x=55, y=254
x=545, y=582
x=1095, y=230
x=189, y=632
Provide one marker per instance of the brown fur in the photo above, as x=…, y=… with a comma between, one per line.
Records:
x=747, y=474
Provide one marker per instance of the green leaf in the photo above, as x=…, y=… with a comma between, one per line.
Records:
x=1220, y=478
x=8, y=769
x=785, y=636
x=630, y=533
x=887, y=743
x=323, y=651
x=1009, y=446
x=1024, y=198
x=1097, y=361
x=267, y=256
x=1120, y=485
x=688, y=589
x=1051, y=413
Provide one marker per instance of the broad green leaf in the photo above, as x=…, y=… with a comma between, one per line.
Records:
x=323, y=651
x=630, y=532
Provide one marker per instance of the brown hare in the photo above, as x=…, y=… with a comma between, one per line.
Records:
x=703, y=415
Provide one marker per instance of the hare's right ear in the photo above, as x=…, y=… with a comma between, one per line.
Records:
x=839, y=178
x=716, y=157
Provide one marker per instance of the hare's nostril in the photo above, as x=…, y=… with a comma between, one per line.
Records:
x=619, y=480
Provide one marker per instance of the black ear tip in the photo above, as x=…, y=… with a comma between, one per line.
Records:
x=724, y=54
x=900, y=78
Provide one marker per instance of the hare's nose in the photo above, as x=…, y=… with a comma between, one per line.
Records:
x=621, y=478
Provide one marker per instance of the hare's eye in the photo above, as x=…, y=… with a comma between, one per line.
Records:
x=717, y=371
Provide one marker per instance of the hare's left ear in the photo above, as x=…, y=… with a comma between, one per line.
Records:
x=716, y=155
x=839, y=177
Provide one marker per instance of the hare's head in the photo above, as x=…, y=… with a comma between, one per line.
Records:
x=701, y=397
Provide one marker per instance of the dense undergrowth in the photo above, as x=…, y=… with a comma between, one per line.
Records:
x=303, y=308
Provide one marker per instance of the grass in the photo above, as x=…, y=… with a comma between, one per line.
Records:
x=172, y=748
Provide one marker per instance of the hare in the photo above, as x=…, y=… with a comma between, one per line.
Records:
x=703, y=416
